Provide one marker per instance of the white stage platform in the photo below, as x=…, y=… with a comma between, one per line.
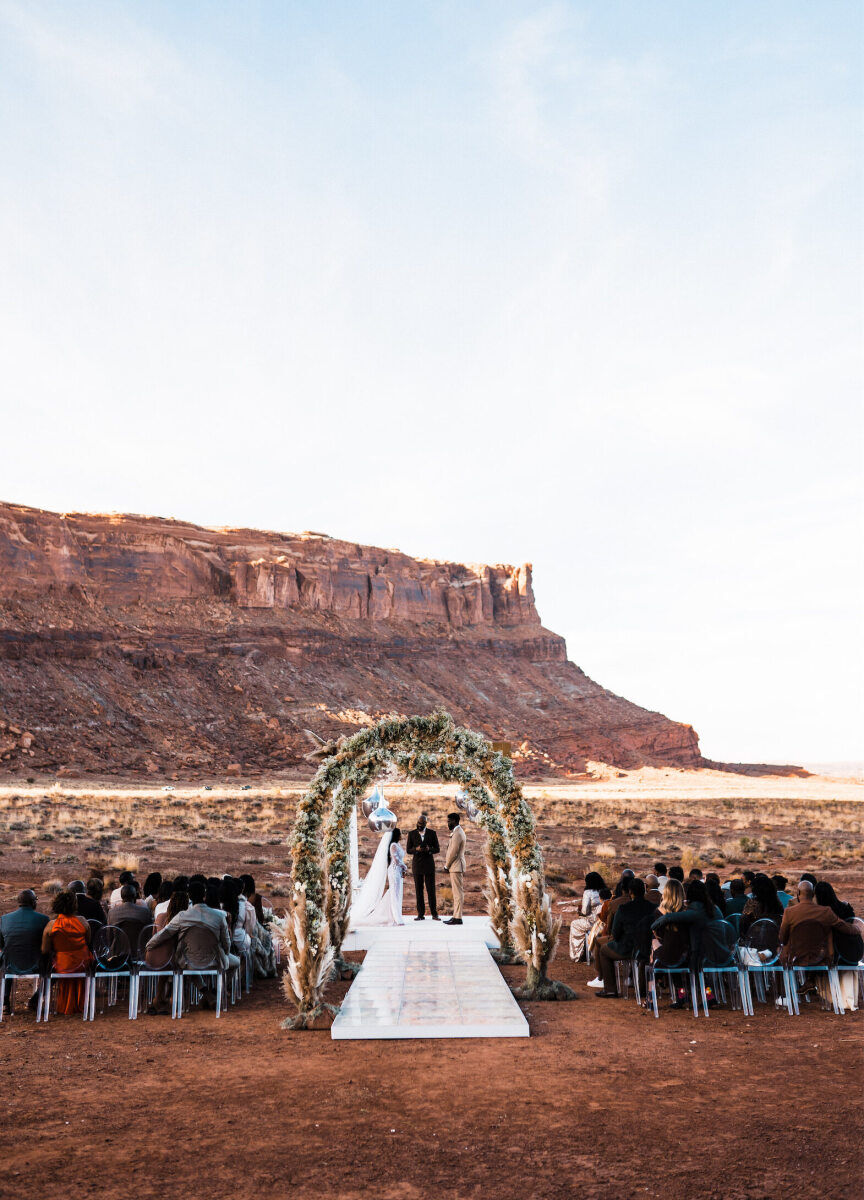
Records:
x=425, y=979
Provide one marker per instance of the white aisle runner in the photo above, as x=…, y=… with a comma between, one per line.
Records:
x=432, y=981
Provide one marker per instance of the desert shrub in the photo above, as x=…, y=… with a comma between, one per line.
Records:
x=690, y=859
x=605, y=850
x=125, y=862
x=53, y=886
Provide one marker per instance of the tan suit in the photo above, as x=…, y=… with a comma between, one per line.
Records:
x=812, y=947
x=455, y=864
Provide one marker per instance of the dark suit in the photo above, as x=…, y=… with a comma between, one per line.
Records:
x=631, y=931
x=90, y=909
x=423, y=850
x=21, y=937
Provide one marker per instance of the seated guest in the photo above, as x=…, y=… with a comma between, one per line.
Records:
x=603, y=931
x=66, y=938
x=712, y=882
x=632, y=920
x=662, y=877
x=89, y=901
x=589, y=908
x=677, y=873
x=805, y=931
x=152, y=884
x=653, y=891
x=810, y=878
x=826, y=896
x=762, y=905
x=126, y=877
x=748, y=877
x=780, y=882
x=212, y=894
x=672, y=940
x=199, y=931
x=181, y=883
x=177, y=902
x=21, y=939
x=163, y=898
x=737, y=899
x=695, y=873
x=229, y=900
x=709, y=934
x=130, y=915
x=159, y=956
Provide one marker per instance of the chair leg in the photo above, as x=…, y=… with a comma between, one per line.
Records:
x=219, y=995
x=704, y=992
x=3, y=996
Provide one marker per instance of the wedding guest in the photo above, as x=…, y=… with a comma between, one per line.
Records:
x=66, y=939
x=748, y=877
x=800, y=949
x=737, y=898
x=606, y=917
x=176, y=903
x=827, y=897
x=677, y=873
x=197, y=929
x=695, y=873
x=590, y=907
x=21, y=940
x=163, y=897
x=89, y=904
x=672, y=945
x=662, y=877
x=712, y=882
x=126, y=877
x=761, y=905
x=629, y=921
x=783, y=896
x=653, y=891
x=151, y=890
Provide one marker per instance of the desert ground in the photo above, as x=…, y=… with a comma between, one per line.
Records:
x=601, y=1101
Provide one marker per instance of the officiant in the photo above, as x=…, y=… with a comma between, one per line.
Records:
x=423, y=845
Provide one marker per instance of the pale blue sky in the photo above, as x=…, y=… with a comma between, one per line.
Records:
x=571, y=283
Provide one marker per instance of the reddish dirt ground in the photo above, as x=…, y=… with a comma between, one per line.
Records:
x=601, y=1101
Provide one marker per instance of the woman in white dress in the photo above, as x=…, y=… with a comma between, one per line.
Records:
x=388, y=910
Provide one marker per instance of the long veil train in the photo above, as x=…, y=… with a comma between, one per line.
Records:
x=369, y=894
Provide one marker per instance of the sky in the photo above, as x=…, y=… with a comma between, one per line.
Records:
x=578, y=284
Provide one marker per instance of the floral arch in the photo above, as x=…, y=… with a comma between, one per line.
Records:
x=419, y=747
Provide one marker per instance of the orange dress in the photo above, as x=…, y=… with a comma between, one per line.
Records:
x=71, y=953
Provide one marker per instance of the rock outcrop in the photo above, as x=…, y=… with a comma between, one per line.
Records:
x=134, y=644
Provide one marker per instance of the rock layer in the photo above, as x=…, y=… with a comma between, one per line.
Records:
x=139, y=644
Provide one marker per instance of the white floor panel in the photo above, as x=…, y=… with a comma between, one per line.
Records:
x=436, y=982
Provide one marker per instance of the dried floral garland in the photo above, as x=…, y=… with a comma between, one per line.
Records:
x=421, y=748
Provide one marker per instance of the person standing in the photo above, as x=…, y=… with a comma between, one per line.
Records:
x=422, y=845
x=455, y=864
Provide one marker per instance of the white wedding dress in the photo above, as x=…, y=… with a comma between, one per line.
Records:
x=373, y=905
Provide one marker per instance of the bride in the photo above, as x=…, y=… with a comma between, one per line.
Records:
x=373, y=905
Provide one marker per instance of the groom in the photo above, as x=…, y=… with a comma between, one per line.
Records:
x=422, y=845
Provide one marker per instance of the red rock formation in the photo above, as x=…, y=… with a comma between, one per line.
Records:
x=134, y=643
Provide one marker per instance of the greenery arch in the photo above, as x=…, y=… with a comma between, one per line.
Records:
x=419, y=747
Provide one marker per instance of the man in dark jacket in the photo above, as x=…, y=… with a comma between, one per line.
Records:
x=629, y=927
x=21, y=939
x=422, y=845
x=88, y=904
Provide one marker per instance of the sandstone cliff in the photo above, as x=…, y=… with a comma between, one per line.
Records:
x=136, y=644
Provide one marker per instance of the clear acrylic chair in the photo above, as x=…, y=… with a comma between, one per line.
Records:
x=81, y=970
x=113, y=963
x=758, y=954
x=15, y=967
x=189, y=986
x=729, y=969
x=655, y=973
x=150, y=975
